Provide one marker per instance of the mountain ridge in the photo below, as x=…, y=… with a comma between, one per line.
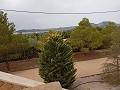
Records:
x=25, y=31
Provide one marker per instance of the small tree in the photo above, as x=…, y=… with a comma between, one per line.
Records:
x=111, y=69
x=56, y=62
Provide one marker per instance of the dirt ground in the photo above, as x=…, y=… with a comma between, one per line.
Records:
x=78, y=56
x=84, y=68
x=20, y=65
x=33, y=63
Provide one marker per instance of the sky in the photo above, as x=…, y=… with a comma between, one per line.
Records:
x=42, y=21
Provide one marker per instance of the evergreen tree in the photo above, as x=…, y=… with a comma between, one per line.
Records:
x=43, y=39
x=107, y=34
x=56, y=62
x=19, y=45
x=111, y=69
x=85, y=37
x=6, y=31
x=11, y=46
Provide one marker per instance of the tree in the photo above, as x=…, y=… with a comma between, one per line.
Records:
x=20, y=44
x=85, y=23
x=44, y=38
x=56, y=62
x=32, y=51
x=107, y=34
x=85, y=37
x=111, y=69
x=6, y=31
x=11, y=46
x=66, y=34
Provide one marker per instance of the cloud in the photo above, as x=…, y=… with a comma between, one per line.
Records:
x=27, y=21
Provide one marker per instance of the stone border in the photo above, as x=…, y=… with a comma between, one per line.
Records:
x=19, y=80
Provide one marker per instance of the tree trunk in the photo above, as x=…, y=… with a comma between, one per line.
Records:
x=7, y=64
x=117, y=64
x=117, y=67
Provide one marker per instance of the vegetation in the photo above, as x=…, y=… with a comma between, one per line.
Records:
x=56, y=54
x=56, y=62
x=6, y=30
x=66, y=34
x=20, y=45
x=85, y=37
x=107, y=34
x=43, y=38
x=111, y=69
x=11, y=46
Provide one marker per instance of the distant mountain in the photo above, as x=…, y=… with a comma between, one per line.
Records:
x=27, y=31
x=94, y=25
x=103, y=24
x=62, y=28
x=118, y=25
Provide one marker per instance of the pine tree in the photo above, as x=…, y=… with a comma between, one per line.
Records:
x=6, y=31
x=111, y=69
x=10, y=45
x=85, y=37
x=56, y=62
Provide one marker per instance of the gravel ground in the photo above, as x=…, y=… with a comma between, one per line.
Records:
x=94, y=84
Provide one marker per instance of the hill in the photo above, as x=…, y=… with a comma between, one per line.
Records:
x=27, y=31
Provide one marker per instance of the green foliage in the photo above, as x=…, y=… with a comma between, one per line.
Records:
x=85, y=36
x=32, y=50
x=11, y=46
x=15, y=48
x=85, y=50
x=56, y=62
x=111, y=69
x=6, y=31
x=33, y=42
x=66, y=34
x=85, y=23
x=107, y=34
x=20, y=43
x=14, y=56
x=44, y=38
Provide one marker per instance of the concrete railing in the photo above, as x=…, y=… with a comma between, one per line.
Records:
x=19, y=80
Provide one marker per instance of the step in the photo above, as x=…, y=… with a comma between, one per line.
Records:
x=6, y=86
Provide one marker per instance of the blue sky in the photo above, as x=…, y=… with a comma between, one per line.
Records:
x=35, y=21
